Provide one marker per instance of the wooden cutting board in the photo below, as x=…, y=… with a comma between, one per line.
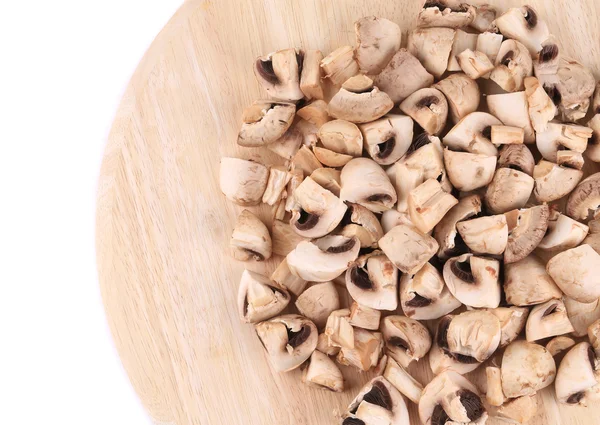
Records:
x=167, y=281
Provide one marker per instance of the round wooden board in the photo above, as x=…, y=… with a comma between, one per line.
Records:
x=163, y=226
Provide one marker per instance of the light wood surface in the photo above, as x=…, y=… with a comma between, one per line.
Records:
x=167, y=280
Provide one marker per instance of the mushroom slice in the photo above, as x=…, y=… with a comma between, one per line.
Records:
x=451, y=399
x=340, y=65
x=473, y=280
x=296, y=177
x=328, y=178
x=388, y=139
x=594, y=335
x=330, y=158
x=531, y=227
x=462, y=41
x=287, y=145
x=513, y=64
x=364, y=317
x=582, y=315
x=474, y=334
x=364, y=182
x=278, y=180
x=469, y=171
x=289, y=340
x=494, y=394
x=526, y=282
x=546, y=320
x=570, y=159
x=428, y=107
x=472, y=134
x=318, y=302
x=377, y=39
x=284, y=277
x=562, y=136
x=519, y=410
x=462, y=94
x=364, y=225
x=553, y=182
x=359, y=103
x=437, y=14
x=541, y=106
x=445, y=232
x=512, y=109
x=593, y=148
x=489, y=43
x=577, y=380
x=485, y=235
x=250, y=239
x=378, y=402
x=366, y=352
x=319, y=212
x=310, y=78
x=484, y=18
x=517, y=157
x=428, y=204
x=279, y=74
x=585, y=199
x=593, y=237
x=403, y=381
x=563, y=233
x=284, y=238
x=526, y=368
x=323, y=260
x=440, y=356
x=324, y=347
x=506, y=135
x=432, y=46
x=546, y=61
x=260, y=298
x=315, y=113
x=306, y=161
x=372, y=281
x=403, y=76
x=338, y=329
x=474, y=64
x=406, y=339
x=512, y=322
x=524, y=25
x=342, y=137
x=393, y=218
x=575, y=271
x=424, y=296
x=509, y=189
x=322, y=372
x=408, y=248
x=243, y=182
x=559, y=344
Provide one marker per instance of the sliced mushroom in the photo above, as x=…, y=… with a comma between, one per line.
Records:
x=582, y=315
x=393, y=218
x=473, y=134
x=507, y=135
x=437, y=14
x=593, y=237
x=366, y=351
x=279, y=74
x=509, y=189
x=474, y=334
x=512, y=109
x=541, y=106
x=322, y=372
x=558, y=345
x=484, y=18
x=403, y=381
x=296, y=177
x=474, y=64
x=485, y=235
x=359, y=105
x=512, y=322
x=440, y=356
x=408, y=248
x=462, y=41
x=494, y=394
x=250, y=239
x=372, y=281
x=310, y=77
x=593, y=148
x=388, y=139
x=284, y=277
x=243, y=182
x=445, y=232
x=553, y=182
x=364, y=225
x=585, y=199
x=284, y=238
x=406, y=339
x=462, y=94
x=594, y=336
x=364, y=317
x=489, y=43
x=531, y=227
x=570, y=159
x=473, y=280
x=324, y=347
x=427, y=205
x=338, y=330
x=513, y=64
x=378, y=402
x=377, y=39
x=469, y=171
x=518, y=410
x=260, y=298
x=547, y=60
x=577, y=381
x=526, y=282
x=287, y=145
x=318, y=302
x=428, y=107
x=289, y=340
x=562, y=136
x=526, y=368
x=563, y=233
x=315, y=113
x=340, y=65
x=324, y=259
x=278, y=180
x=364, y=182
x=330, y=158
x=432, y=46
x=575, y=272
x=523, y=24
x=306, y=161
x=342, y=137
x=517, y=157
x=546, y=320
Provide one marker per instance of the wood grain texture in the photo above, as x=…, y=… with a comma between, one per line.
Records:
x=167, y=280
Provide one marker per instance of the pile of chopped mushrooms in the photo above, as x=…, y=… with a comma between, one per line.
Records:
x=442, y=186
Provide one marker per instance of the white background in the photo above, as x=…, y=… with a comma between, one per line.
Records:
x=63, y=68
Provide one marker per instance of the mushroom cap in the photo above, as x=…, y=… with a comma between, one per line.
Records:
x=392, y=218
x=512, y=322
x=516, y=58
x=560, y=136
x=364, y=182
x=531, y=227
x=406, y=339
x=469, y=171
x=323, y=259
x=576, y=381
x=372, y=281
x=428, y=203
x=364, y=225
x=250, y=238
x=279, y=74
x=311, y=84
x=439, y=15
x=361, y=106
x=289, y=340
x=377, y=39
x=259, y=298
x=582, y=315
x=517, y=157
x=377, y=400
x=485, y=235
x=484, y=18
x=440, y=356
x=546, y=61
x=475, y=64
x=462, y=41
x=574, y=85
x=432, y=46
x=470, y=134
x=445, y=232
x=473, y=280
x=424, y=295
x=513, y=110
x=388, y=139
x=340, y=65
x=408, y=248
x=366, y=350
x=475, y=334
x=243, y=182
x=322, y=372
x=265, y=121
x=508, y=190
x=328, y=178
x=330, y=158
x=563, y=233
x=462, y=94
x=526, y=368
x=559, y=344
x=546, y=320
x=585, y=198
x=552, y=181
x=524, y=25
x=575, y=271
x=541, y=107
x=318, y=302
x=526, y=282
x=428, y=107
x=342, y=137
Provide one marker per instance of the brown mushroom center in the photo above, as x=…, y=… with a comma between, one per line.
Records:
x=427, y=101
x=353, y=421
x=441, y=6
x=487, y=132
x=306, y=221
x=553, y=93
x=576, y=398
x=346, y=246
x=548, y=53
x=360, y=278
x=296, y=338
x=379, y=395
x=462, y=270
x=439, y=416
x=530, y=17
x=507, y=58
x=418, y=301
x=386, y=147
x=266, y=71
x=418, y=142
x=550, y=310
x=472, y=404
x=379, y=197
x=398, y=342
x=300, y=61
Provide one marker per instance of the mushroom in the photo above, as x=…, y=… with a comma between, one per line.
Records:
x=563, y=233
x=474, y=64
x=403, y=381
x=524, y=25
x=287, y=145
x=250, y=239
x=517, y=157
x=474, y=334
x=462, y=41
x=585, y=199
x=472, y=134
x=428, y=107
x=328, y=178
x=506, y=135
x=243, y=182
x=406, y=339
x=484, y=18
x=366, y=351
x=284, y=277
x=473, y=280
x=377, y=39
x=575, y=271
x=372, y=281
x=330, y=158
x=526, y=368
x=260, y=298
x=531, y=227
x=364, y=225
x=393, y=218
x=593, y=148
x=437, y=14
x=319, y=211
x=581, y=315
x=324, y=347
x=408, y=248
x=378, y=402
x=324, y=259
x=315, y=113
x=553, y=182
x=512, y=109
x=388, y=139
x=278, y=180
x=489, y=43
x=469, y=171
x=570, y=159
x=546, y=320
x=284, y=238
x=440, y=356
x=462, y=94
x=296, y=177
x=359, y=101
x=338, y=330
x=342, y=137
x=310, y=77
x=445, y=232
x=485, y=235
x=306, y=161
x=513, y=64
x=289, y=340
x=494, y=394
x=432, y=46
x=427, y=205
x=541, y=106
x=594, y=336
x=364, y=182
x=279, y=74
x=322, y=372
x=508, y=190
x=318, y=302
x=547, y=60
x=340, y=65
x=577, y=381
x=526, y=282
x=512, y=322
x=364, y=317
x=424, y=295
x=518, y=410
x=451, y=399
x=562, y=136
x=559, y=344
x=593, y=237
